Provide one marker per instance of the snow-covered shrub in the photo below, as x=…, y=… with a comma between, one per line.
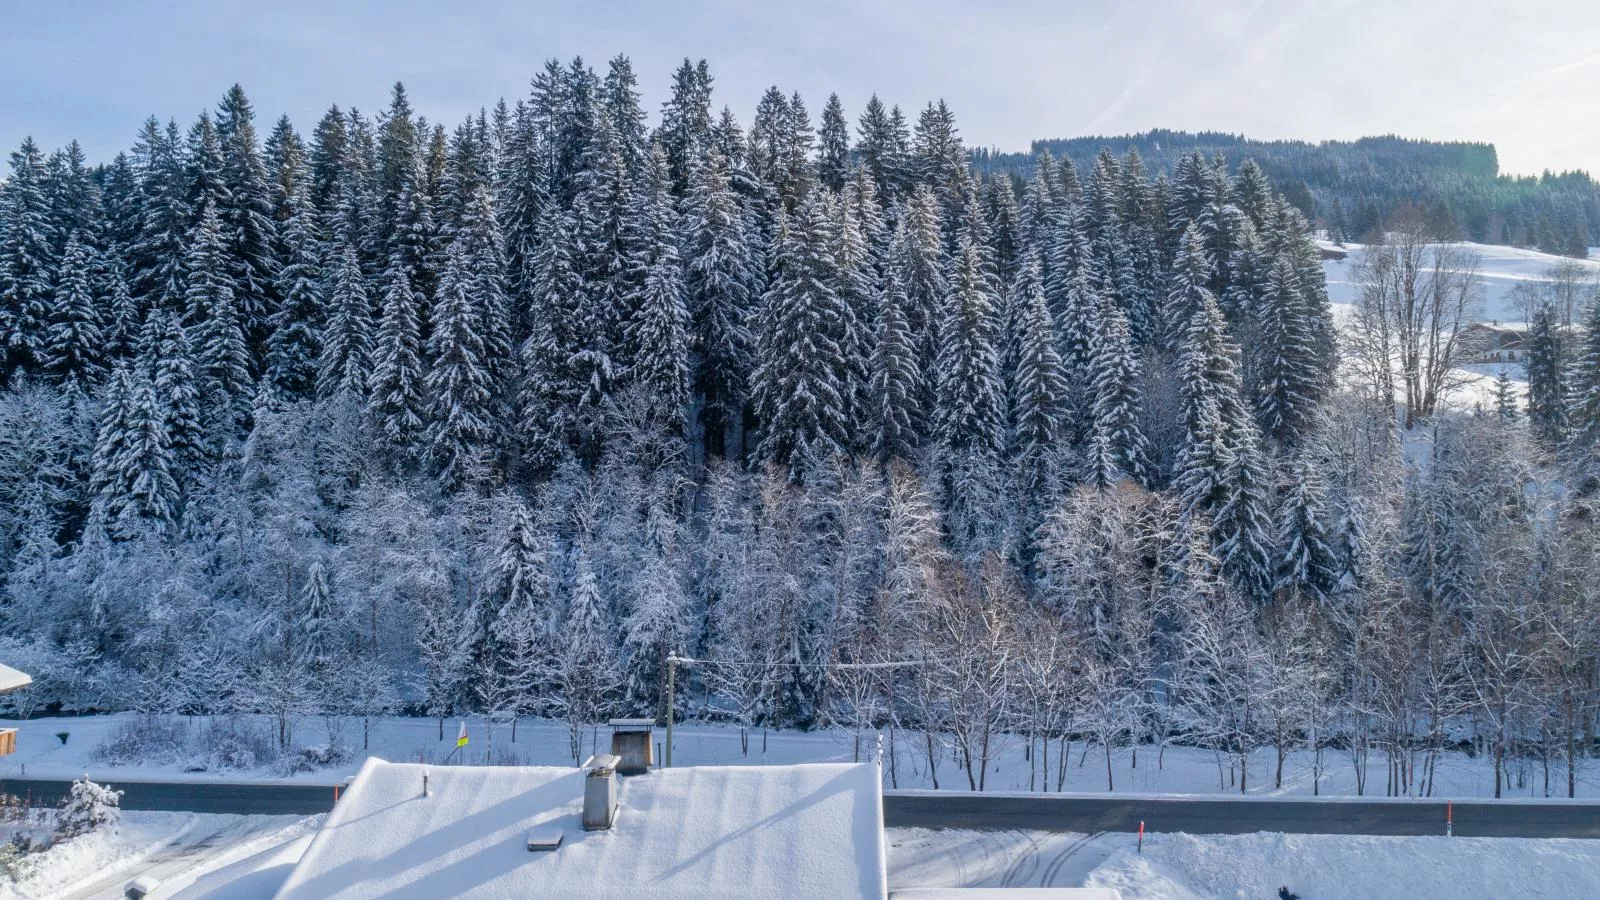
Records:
x=229, y=745
x=144, y=741
x=220, y=745
x=15, y=861
x=310, y=759
x=86, y=807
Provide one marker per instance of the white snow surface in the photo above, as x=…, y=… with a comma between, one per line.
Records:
x=1193, y=867
x=695, y=832
x=1501, y=269
x=175, y=846
x=1245, y=866
x=543, y=742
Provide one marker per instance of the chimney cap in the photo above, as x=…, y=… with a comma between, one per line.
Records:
x=602, y=763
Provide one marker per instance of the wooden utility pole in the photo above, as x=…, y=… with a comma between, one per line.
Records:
x=672, y=679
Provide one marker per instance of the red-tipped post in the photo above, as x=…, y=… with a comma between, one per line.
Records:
x=1141, y=835
x=1449, y=818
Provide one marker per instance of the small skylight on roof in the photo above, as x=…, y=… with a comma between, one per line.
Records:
x=544, y=838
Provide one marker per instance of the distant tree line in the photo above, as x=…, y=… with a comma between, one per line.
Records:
x=1350, y=187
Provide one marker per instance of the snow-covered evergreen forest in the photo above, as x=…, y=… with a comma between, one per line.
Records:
x=393, y=415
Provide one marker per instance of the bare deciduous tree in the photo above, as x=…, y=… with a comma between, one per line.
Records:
x=1419, y=300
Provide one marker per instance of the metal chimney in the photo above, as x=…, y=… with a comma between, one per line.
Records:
x=600, y=792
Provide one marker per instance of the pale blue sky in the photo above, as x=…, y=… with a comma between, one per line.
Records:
x=1522, y=75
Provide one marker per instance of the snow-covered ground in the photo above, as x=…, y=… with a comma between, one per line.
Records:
x=174, y=847
x=1502, y=269
x=248, y=858
x=1255, y=866
x=1181, y=770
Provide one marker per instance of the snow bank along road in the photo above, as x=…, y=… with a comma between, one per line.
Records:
x=950, y=809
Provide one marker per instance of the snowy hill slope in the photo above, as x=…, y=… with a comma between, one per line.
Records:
x=1501, y=268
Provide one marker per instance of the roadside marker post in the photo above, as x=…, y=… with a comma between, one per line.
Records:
x=1141, y=836
x=1449, y=818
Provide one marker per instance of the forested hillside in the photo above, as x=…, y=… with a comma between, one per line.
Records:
x=1349, y=187
x=495, y=417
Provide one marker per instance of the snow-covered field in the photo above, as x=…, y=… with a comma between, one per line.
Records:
x=1502, y=269
x=175, y=847
x=1253, y=866
x=1181, y=770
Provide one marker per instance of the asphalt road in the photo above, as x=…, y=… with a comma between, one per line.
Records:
x=951, y=809
x=927, y=809
x=239, y=797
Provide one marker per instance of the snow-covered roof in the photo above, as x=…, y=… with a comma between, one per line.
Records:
x=11, y=679
x=695, y=832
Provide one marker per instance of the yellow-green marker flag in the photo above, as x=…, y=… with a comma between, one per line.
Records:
x=461, y=738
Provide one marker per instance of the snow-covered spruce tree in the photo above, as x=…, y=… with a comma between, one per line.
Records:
x=685, y=131
x=395, y=386
x=87, y=807
x=616, y=227
x=1547, y=381
x=882, y=148
x=121, y=315
x=460, y=422
x=1305, y=563
x=720, y=286
x=1188, y=285
x=27, y=262
x=1582, y=409
x=1290, y=378
x=1116, y=447
x=521, y=570
x=133, y=463
x=801, y=371
x=73, y=351
x=245, y=209
x=968, y=425
x=156, y=272
x=1066, y=261
x=658, y=330
x=549, y=357
x=486, y=257
x=221, y=345
x=167, y=354
x=1220, y=473
x=923, y=268
x=1505, y=398
x=293, y=347
x=1039, y=384
x=833, y=146
x=74, y=196
x=896, y=390
x=111, y=437
x=858, y=288
x=968, y=411
x=345, y=361
x=1005, y=238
